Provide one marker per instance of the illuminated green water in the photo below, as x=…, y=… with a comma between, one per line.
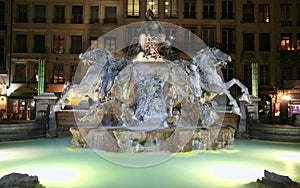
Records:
x=58, y=165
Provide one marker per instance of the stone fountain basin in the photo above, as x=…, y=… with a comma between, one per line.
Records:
x=149, y=139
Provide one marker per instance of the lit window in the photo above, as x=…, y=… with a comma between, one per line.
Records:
x=286, y=40
x=264, y=13
x=133, y=8
x=170, y=8
x=153, y=5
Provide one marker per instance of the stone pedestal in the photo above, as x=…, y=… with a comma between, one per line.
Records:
x=252, y=112
x=242, y=129
x=45, y=113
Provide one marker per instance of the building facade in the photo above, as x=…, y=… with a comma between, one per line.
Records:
x=262, y=37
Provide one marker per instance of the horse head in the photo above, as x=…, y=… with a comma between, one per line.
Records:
x=220, y=57
x=96, y=56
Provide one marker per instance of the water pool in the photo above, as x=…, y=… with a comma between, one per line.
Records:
x=58, y=165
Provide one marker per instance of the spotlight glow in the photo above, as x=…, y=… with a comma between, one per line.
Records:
x=53, y=174
x=236, y=173
x=291, y=156
x=6, y=155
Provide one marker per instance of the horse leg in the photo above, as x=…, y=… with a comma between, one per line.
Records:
x=230, y=83
x=63, y=100
x=235, y=109
x=245, y=93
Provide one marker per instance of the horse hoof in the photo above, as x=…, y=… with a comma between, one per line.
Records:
x=236, y=110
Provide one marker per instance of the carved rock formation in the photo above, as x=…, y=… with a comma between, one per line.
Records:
x=17, y=180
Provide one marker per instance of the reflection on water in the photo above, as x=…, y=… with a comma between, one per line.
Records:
x=58, y=165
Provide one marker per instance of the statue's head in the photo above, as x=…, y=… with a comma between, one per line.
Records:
x=221, y=57
x=149, y=15
x=215, y=55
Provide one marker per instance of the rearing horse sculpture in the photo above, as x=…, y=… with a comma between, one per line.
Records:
x=208, y=61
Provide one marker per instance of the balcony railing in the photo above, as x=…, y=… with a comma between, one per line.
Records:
x=209, y=15
x=263, y=19
x=38, y=50
x=293, y=55
x=94, y=20
x=190, y=15
x=134, y=14
x=39, y=20
x=21, y=20
x=286, y=23
x=171, y=15
x=75, y=51
x=58, y=50
x=110, y=20
x=76, y=20
x=20, y=50
x=59, y=20
x=248, y=19
x=227, y=15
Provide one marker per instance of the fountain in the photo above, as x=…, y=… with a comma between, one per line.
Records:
x=149, y=100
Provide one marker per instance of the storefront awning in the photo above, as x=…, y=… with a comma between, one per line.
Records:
x=18, y=95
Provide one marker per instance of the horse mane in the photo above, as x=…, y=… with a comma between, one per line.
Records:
x=207, y=52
